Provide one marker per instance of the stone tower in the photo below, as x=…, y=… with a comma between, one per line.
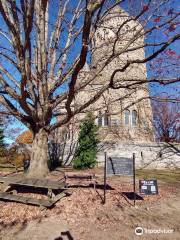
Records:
x=125, y=113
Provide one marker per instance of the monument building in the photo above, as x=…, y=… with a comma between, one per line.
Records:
x=124, y=113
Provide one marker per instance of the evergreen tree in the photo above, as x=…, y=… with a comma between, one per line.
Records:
x=85, y=154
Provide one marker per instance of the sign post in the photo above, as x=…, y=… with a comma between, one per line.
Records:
x=134, y=179
x=105, y=164
x=119, y=166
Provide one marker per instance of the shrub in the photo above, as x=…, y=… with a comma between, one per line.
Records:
x=14, y=158
x=86, y=151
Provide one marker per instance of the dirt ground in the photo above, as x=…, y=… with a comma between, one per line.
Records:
x=82, y=216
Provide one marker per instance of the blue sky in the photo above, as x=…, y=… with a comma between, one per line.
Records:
x=161, y=35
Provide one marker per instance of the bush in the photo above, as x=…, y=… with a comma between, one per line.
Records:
x=86, y=151
x=14, y=158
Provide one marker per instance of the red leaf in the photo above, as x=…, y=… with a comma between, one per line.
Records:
x=158, y=19
x=171, y=52
x=145, y=8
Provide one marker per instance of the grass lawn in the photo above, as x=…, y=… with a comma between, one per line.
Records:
x=165, y=175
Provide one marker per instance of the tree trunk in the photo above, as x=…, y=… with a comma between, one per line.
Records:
x=39, y=156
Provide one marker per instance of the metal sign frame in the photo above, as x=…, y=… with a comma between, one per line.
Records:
x=105, y=177
x=118, y=166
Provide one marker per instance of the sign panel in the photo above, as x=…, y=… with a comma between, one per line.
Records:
x=148, y=187
x=119, y=166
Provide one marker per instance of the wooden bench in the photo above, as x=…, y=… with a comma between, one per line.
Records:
x=81, y=176
x=34, y=183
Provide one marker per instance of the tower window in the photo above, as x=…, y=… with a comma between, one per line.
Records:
x=103, y=119
x=126, y=116
x=134, y=117
x=106, y=120
x=100, y=119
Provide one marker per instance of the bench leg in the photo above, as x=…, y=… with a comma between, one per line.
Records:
x=14, y=191
x=94, y=184
x=5, y=187
x=50, y=193
x=42, y=208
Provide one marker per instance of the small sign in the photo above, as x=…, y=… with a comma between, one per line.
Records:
x=148, y=187
x=119, y=166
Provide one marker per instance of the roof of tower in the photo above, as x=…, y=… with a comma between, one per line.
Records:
x=117, y=10
x=114, y=13
x=111, y=22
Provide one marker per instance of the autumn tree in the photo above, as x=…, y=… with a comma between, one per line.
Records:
x=44, y=45
x=25, y=138
x=167, y=119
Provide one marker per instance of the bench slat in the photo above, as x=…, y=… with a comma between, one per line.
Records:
x=26, y=200
x=31, y=182
x=79, y=175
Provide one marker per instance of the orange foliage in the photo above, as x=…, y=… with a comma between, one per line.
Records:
x=25, y=138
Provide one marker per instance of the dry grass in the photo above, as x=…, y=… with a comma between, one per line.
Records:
x=167, y=175
x=84, y=211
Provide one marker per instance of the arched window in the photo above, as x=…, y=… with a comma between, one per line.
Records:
x=100, y=119
x=134, y=117
x=126, y=116
x=106, y=120
x=103, y=119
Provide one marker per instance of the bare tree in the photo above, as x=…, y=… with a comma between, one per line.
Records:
x=167, y=120
x=45, y=45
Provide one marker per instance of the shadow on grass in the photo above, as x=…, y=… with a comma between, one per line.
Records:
x=98, y=186
x=67, y=234
x=130, y=196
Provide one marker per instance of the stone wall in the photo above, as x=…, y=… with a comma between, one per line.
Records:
x=148, y=155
